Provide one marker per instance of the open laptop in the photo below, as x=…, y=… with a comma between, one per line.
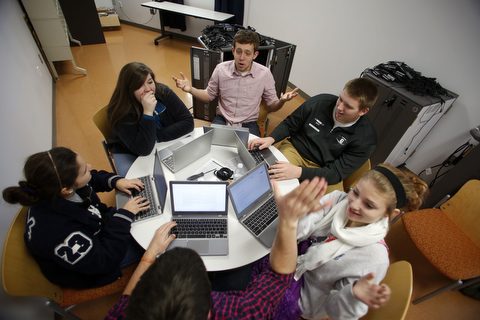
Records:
x=180, y=155
x=263, y=155
x=200, y=209
x=247, y=159
x=251, y=158
x=254, y=203
x=224, y=135
x=155, y=191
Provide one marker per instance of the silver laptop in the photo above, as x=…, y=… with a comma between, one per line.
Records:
x=254, y=203
x=244, y=154
x=155, y=191
x=180, y=155
x=200, y=209
x=263, y=155
x=224, y=135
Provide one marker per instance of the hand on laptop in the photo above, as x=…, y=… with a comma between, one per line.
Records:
x=125, y=184
x=283, y=170
x=137, y=204
x=260, y=143
x=160, y=240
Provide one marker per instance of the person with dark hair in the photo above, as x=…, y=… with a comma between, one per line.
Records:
x=176, y=285
x=344, y=255
x=327, y=136
x=75, y=238
x=142, y=112
x=240, y=85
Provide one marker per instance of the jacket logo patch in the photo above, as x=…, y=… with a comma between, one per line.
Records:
x=342, y=140
x=339, y=256
x=30, y=225
x=75, y=247
x=94, y=211
x=314, y=128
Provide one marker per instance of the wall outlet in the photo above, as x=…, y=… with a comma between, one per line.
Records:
x=428, y=171
x=120, y=4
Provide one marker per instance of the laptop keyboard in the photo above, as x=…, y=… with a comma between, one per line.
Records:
x=168, y=161
x=147, y=192
x=200, y=228
x=257, y=156
x=261, y=218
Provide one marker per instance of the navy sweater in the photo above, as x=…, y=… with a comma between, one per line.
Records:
x=79, y=245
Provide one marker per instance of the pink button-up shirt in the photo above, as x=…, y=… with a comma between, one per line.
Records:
x=239, y=96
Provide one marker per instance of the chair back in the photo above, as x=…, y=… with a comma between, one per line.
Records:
x=21, y=275
x=352, y=179
x=399, y=278
x=263, y=118
x=101, y=121
x=463, y=210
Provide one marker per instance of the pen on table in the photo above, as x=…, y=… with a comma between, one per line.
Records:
x=198, y=175
x=216, y=163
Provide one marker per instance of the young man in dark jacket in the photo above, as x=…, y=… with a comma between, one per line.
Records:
x=327, y=136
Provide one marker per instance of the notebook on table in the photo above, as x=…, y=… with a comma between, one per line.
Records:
x=155, y=191
x=200, y=209
x=180, y=155
x=225, y=135
x=254, y=204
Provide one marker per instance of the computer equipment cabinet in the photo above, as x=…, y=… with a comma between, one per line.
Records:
x=402, y=120
x=278, y=57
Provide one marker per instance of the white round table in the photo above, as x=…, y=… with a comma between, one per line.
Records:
x=244, y=248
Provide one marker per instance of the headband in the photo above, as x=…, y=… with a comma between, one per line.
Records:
x=56, y=171
x=397, y=185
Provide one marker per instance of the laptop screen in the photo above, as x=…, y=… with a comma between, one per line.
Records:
x=199, y=197
x=250, y=188
x=160, y=181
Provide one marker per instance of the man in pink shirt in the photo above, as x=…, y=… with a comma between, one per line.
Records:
x=240, y=85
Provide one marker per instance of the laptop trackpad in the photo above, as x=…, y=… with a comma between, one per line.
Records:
x=201, y=246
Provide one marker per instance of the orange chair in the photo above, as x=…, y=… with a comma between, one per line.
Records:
x=449, y=237
x=21, y=275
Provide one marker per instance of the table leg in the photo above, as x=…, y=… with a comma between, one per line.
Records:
x=162, y=28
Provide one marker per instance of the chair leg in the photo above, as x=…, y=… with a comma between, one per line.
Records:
x=450, y=286
x=266, y=127
x=61, y=311
x=109, y=156
x=467, y=283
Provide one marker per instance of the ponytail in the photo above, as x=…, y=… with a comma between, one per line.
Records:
x=46, y=174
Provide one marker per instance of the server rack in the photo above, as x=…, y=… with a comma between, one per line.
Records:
x=402, y=120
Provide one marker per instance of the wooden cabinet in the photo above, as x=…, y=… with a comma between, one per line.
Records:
x=47, y=19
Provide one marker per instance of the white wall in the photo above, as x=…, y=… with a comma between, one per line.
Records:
x=25, y=117
x=131, y=10
x=103, y=3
